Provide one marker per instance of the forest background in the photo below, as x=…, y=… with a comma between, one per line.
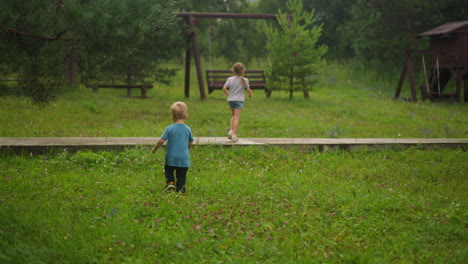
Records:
x=133, y=41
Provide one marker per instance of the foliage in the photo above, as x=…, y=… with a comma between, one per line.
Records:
x=231, y=39
x=332, y=15
x=243, y=41
x=243, y=205
x=379, y=30
x=212, y=6
x=137, y=36
x=295, y=57
x=102, y=40
x=271, y=6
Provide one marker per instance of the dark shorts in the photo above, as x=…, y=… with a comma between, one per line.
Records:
x=236, y=104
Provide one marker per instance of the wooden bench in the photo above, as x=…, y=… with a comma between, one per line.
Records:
x=217, y=78
x=129, y=87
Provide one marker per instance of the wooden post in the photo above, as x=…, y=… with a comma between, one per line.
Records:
x=129, y=82
x=466, y=89
x=196, y=55
x=188, y=53
x=402, y=76
x=411, y=78
x=459, y=78
x=143, y=92
x=407, y=68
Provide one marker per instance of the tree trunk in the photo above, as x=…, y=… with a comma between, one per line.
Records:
x=70, y=66
x=304, y=84
x=129, y=82
x=291, y=81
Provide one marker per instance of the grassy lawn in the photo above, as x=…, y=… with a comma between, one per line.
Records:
x=340, y=107
x=243, y=205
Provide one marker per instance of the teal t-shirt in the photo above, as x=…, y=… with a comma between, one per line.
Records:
x=178, y=137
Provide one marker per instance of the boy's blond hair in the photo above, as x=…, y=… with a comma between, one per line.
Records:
x=179, y=111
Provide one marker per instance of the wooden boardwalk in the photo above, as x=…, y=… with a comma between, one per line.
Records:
x=41, y=145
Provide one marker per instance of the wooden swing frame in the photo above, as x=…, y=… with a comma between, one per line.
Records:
x=457, y=72
x=192, y=20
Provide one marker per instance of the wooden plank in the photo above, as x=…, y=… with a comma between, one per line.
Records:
x=254, y=82
x=251, y=88
x=226, y=15
x=228, y=71
x=142, y=87
x=60, y=141
x=45, y=145
x=224, y=77
x=147, y=86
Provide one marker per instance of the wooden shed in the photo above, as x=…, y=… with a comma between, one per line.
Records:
x=447, y=57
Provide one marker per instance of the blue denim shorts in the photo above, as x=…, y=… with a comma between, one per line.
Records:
x=236, y=104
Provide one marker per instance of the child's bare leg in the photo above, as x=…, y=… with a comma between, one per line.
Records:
x=235, y=120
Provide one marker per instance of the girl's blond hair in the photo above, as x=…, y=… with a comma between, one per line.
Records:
x=238, y=69
x=179, y=111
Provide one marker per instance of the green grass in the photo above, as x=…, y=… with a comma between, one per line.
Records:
x=340, y=107
x=243, y=205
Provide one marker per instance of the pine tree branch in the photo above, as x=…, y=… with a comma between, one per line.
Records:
x=58, y=36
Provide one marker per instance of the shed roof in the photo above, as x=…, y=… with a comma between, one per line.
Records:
x=447, y=28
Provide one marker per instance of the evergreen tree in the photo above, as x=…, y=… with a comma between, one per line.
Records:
x=295, y=57
x=333, y=14
x=105, y=40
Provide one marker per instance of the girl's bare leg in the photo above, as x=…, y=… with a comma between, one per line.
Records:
x=235, y=120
